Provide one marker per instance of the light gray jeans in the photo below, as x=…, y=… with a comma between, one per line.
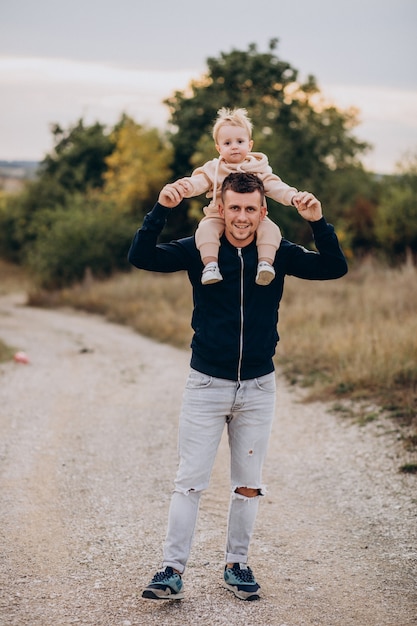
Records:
x=248, y=408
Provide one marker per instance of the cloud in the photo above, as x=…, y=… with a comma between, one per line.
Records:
x=42, y=71
x=39, y=91
x=388, y=121
x=377, y=103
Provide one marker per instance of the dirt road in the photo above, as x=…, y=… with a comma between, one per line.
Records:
x=87, y=458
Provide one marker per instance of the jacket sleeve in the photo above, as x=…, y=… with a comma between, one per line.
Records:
x=327, y=263
x=145, y=252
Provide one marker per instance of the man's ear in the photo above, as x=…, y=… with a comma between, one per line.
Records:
x=221, y=209
x=264, y=212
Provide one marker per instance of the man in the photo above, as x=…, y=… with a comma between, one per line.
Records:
x=232, y=380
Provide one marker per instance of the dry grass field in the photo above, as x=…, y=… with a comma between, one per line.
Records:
x=353, y=339
x=12, y=278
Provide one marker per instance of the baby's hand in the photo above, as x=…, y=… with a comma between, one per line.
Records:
x=296, y=199
x=185, y=185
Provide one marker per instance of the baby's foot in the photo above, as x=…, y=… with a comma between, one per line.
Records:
x=211, y=274
x=265, y=273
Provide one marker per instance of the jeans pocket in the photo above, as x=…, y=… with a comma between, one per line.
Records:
x=266, y=383
x=198, y=380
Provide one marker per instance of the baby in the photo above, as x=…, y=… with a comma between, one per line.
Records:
x=232, y=134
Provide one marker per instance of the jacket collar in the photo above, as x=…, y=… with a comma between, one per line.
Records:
x=225, y=242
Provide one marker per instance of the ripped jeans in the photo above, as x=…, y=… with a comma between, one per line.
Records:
x=247, y=408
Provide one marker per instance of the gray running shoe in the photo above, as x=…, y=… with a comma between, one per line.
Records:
x=166, y=585
x=241, y=581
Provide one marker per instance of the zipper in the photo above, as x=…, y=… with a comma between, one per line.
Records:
x=239, y=252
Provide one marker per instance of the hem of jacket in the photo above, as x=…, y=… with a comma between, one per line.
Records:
x=231, y=373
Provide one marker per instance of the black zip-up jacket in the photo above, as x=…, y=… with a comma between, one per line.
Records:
x=235, y=320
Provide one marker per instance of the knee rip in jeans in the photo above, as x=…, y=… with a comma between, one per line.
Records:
x=247, y=492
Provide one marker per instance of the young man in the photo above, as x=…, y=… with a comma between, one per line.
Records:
x=232, y=380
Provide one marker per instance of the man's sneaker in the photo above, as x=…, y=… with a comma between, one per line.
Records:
x=241, y=581
x=265, y=274
x=211, y=274
x=166, y=585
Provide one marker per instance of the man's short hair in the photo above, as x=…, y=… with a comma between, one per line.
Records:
x=243, y=182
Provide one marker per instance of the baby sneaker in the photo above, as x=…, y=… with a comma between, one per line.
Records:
x=265, y=273
x=211, y=274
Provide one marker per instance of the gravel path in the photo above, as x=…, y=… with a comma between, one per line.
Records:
x=87, y=459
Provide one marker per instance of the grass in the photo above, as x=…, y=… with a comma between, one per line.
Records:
x=409, y=468
x=6, y=352
x=356, y=337
x=12, y=280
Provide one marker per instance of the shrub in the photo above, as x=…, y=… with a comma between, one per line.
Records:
x=94, y=238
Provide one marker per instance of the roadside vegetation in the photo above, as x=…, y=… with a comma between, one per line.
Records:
x=13, y=279
x=68, y=230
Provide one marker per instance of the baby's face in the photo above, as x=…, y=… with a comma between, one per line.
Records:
x=233, y=143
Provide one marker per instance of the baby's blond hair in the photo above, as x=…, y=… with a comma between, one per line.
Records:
x=234, y=117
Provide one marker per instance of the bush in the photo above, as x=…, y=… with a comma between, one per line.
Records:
x=94, y=238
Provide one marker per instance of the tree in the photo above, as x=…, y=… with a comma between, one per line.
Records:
x=306, y=140
x=138, y=166
x=88, y=234
x=56, y=204
x=396, y=225
x=78, y=160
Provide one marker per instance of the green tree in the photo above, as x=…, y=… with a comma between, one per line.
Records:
x=78, y=159
x=87, y=234
x=138, y=166
x=396, y=224
x=75, y=167
x=306, y=140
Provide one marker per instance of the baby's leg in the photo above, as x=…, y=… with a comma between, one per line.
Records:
x=207, y=238
x=268, y=240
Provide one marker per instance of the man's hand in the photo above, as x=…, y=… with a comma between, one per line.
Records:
x=171, y=195
x=308, y=206
x=186, y=184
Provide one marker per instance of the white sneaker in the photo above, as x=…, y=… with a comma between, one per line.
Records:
x=265, y=274
x=211, y=274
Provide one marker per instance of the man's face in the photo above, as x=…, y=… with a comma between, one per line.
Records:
x=242, y=213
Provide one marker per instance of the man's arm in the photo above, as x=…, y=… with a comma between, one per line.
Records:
x=329, y=262
x=145, y=252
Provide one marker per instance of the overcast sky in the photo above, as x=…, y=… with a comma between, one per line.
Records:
x=62, y=60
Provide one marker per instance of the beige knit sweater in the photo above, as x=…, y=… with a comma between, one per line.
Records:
x=209, y=178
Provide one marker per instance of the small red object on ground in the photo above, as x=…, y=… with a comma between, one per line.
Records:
x=21, y=357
